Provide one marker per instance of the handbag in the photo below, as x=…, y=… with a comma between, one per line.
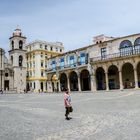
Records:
x=70, y=109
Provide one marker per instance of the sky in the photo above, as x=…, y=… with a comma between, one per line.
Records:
x=72, y=22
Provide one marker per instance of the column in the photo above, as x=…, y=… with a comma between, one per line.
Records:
x=68, y=83
x=106, y=79
x=79, y=84
x=136, y=78
x=120, y=80
x=93, y=82
x=59, y=86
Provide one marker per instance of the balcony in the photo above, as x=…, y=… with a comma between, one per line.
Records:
x=121, y=54
x=68, y=66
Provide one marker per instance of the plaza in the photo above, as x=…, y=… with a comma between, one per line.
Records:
x=100, y=115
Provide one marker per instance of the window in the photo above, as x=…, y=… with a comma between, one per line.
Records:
x=41, y=73
x=51, y=48
x=62, y=62
x=12, y=60
x=72, y=61
x=46, y=47
x=34, y=64
x=6, y=74
x=40, y=46
x=33, y=56
x=56, y=49
x=137, y=45
x=20, y=44
x=34, y=85
x=41, y=64
x=12, y=45
x=20, y=60
x=126, y=47
x=60, y=50
x=41, y=55
x=53, y=65
x=103, y=53
x=82, y=58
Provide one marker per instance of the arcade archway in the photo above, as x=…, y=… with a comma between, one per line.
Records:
x=73, y=81
x=100, y=79
x=63, y=81
x=113, y=77
x=85, y=80
x=128, y=76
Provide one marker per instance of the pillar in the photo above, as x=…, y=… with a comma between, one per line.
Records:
x=136, y=78
x=59, y=86
x=106, y=78
x=68, y=82
x=120, y=80
x=93, y=82
x=79, y=83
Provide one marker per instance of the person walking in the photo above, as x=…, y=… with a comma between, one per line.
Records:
x=67, y=103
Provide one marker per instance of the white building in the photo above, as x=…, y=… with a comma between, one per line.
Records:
x=37, y=56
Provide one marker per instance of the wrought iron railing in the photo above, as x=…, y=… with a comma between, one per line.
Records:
x=116, y=55
x=74, y=65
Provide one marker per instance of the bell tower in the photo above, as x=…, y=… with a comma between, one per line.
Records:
x=17, y=56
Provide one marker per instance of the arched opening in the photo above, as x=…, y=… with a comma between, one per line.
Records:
x=73, y=81
x=137, y=45
x=126, y=48
x=63, y=81
x=20, y=60
x=100, y=79
x=53, y=89
x=128, y=75
x=20, y=44
x=41, y=86
x=85, y=80
x=12, y=60
x=113, y=77
x=138, y=73
x=28, y=87
x=12, y=43
x=55, y=86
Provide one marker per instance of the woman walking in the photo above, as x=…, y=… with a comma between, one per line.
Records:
x=67, y=103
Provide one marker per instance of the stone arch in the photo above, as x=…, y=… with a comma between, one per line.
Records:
x=63, y=81
x=54, y=80
x=126, y=47
x=11, y=59
x=100, y=78
x=128, y=75
x=113, y=77
x=20, y=60
x=73, y=77
x=21, y=44
x=137, y=45
x=138, y=73
x=85, y=80
x=12, y=43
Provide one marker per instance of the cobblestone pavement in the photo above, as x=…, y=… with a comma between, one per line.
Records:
x=113, y=115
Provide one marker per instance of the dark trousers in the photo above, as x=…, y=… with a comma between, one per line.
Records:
x=67, y=111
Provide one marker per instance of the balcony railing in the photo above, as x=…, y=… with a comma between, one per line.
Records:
x=74, y=65
x=116, y=55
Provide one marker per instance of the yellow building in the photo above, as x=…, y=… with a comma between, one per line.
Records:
x=38, y=53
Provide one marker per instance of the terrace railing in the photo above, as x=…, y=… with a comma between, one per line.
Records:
x=116, y=55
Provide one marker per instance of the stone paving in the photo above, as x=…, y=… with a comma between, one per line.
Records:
x=113, y=115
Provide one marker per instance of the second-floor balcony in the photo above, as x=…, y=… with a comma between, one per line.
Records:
x=118, y=55
x=68, y=66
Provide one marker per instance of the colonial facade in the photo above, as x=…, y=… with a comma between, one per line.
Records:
x=13, y=70
x=110, y=63
x=37, y=55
